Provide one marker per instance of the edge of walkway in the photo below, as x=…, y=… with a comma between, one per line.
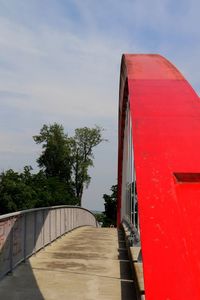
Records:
x=136, y=265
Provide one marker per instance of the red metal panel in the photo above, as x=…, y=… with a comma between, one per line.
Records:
x=165, y=113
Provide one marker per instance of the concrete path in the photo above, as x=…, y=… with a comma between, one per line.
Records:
x=86, y=264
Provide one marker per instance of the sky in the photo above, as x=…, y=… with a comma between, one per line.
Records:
x=60, y=62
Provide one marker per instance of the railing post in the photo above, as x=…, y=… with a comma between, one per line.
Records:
x=43, y=228
x=64, y=221
x=55, y=223
x=60, y=221
x=11, y=245
x=49, y=226
x=35, y=227
x=24, y=237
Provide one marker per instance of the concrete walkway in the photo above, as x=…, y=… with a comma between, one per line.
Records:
x=86, y=264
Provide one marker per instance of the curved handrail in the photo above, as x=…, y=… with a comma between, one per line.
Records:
x=25, y=232
x=20, y=212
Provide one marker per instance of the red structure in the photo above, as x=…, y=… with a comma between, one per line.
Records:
x=159, y=150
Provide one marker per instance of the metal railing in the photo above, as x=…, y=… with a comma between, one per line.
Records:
x=24, y=233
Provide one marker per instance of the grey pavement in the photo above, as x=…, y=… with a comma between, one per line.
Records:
x=85, y=264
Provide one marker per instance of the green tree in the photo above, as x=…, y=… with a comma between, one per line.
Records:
x=100, y=217
x=63, y=173
x=25, y=190
x=110, y=204
x=68, y=158
x=55, y=157
x=82, y=145
x=15, y=194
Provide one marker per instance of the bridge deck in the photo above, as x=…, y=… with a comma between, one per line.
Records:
x=86, y=264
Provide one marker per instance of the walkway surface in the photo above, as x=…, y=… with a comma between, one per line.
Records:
x=86, y=264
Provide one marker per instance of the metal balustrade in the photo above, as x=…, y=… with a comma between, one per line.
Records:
x=26, y=232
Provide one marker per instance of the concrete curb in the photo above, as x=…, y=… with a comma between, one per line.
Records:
x=136, y=266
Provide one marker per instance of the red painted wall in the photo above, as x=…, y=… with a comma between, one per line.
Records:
x=165, y=113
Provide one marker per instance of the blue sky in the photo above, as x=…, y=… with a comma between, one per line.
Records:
x=60, y=60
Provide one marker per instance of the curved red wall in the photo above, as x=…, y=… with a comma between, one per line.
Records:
x=165, y=114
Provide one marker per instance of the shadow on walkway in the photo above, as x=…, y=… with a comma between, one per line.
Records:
x=20, y=285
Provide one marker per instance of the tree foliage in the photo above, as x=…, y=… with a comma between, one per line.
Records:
x=82, y=145
x=63, y=171
x=25, y=190
x=55, y=157
x=110, y=204
x=15, y=194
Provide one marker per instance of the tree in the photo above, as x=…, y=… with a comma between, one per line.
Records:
x=110, y=204
x=82, y=145
x=63, y=173
x=68, y=158
x=25, y=190
x=55, y=157
x=15, y=194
